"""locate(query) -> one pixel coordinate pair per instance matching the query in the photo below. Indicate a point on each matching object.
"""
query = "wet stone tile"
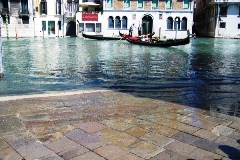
(3, 144)
(203, 154)
(91, 141)
(219, 120)
(177, 125)
(206, 134)
(235, 125)
(209, 146)
(34, 150)
(157, 139)
(235, 134)
(51, 157)
(49, 137)
(114, 137)
(145, 150)
(169, 155)
(164, 130)
(61, 144)
(9, 153)
(118, 125)
(136, 131)
(76, 134)
(180, 147)
(204, 124)
(90, 127)
(223, 140)
(73, 152)
(185, 138)
(222, 130)
(130, 156)
(110, 152)
(187, 119)
(88, 156)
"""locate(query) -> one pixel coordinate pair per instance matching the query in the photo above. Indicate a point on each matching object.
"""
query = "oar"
(119, 40)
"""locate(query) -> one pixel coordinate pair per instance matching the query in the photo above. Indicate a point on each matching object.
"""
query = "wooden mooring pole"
(1, 53)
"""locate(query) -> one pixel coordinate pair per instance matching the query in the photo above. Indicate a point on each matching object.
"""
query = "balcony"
(23, 13)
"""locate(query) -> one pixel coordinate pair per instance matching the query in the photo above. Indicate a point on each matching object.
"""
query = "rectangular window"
(186, 4)
(223, 10)
(168, 4)
(98, 27)
(90, 27)
(24, 5)
(140, 3)
(126, 3)
(81, 27)
(223, 25)
(239, 26)
(43, 7)
(51, 27)
(155, 4)
(58, 6)
(44, 28)
(109, 3)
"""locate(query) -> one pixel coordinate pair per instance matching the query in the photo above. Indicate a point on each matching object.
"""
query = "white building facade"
(161, 17)
(218, 18)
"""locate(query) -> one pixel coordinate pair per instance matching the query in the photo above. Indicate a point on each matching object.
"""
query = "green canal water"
(203, 74)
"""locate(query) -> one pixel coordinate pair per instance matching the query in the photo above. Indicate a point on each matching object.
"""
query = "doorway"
(71, 29)
(147, 24)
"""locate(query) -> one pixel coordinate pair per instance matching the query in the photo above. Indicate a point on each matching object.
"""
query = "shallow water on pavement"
(203, 74)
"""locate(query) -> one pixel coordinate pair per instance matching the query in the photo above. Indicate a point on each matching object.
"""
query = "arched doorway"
(147, 23)
(71, 29)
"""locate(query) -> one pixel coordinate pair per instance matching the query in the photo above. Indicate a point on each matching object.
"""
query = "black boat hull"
(161, 43)
(100, 37)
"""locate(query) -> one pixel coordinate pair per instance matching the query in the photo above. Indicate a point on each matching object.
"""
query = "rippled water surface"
(203, 74)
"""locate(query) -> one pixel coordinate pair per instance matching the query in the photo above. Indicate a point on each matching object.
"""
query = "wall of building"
(232, 20)
(15, 26)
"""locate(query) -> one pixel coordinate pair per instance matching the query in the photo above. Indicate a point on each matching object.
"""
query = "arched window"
(110, 22)
(184, 24)
(177, 23)
(169, 23)
(117, 22)
(124, 22)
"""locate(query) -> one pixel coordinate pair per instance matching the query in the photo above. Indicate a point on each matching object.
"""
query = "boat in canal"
(159, 43)
(100, 37)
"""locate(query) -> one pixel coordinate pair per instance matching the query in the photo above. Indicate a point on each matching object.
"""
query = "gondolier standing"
(139, 30)
(131, 29)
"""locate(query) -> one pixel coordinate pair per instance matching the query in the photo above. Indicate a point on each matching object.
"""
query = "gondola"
(160, 43)
(100, 37)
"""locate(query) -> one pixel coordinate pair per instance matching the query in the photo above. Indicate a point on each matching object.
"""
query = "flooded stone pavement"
(103, 124)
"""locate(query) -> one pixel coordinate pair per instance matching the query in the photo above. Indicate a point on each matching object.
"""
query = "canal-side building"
(163, 17)
(217, 18)
(55, 18)
(18, 18)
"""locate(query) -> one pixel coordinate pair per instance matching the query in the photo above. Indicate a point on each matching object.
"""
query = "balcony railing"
(23, 13)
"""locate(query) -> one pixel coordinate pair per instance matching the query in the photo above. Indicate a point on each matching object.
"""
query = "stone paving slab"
(103, 124)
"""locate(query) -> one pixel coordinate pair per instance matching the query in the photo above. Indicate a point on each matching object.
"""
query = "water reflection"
(203, 74)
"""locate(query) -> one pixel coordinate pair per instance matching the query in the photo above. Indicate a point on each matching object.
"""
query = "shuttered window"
(186, 4)
(140, 3)
(168, 4)
(154, 3)
(109, 3)
(126, 3)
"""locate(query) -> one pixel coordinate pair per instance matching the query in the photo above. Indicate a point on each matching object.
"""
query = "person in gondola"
(139, 30)
(131, 29)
